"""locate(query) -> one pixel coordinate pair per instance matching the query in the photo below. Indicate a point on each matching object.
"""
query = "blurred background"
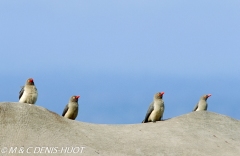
(117, 54)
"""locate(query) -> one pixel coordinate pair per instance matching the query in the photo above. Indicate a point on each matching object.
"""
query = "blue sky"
(117, 54)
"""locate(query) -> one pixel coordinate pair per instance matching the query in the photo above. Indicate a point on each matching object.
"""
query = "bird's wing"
(195, 108)
(21, 92)
(150, 109)
(65, 110)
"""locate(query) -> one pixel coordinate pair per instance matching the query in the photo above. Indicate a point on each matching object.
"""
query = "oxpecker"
(71, 109)
(156, 109)
(28, 93)
(202, 103)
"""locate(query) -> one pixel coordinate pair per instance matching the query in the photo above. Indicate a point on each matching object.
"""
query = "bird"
(156, 109)
(28, 93)
(202, 103)
(71, 109)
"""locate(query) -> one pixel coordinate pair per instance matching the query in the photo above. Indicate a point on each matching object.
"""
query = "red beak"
(77, 97)
(209, 95)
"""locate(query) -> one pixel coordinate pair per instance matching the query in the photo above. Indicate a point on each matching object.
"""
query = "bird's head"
(30, 81)
(205, 97)
(159, 95)
(75, 98)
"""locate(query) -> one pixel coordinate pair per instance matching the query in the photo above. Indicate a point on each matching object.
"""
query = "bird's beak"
(162, 93)
(209, 95)
(77, 97)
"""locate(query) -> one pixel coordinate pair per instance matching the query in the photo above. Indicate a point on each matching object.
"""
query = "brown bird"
(156, 109)
(202, 103)
(28, 93)
(71, 109)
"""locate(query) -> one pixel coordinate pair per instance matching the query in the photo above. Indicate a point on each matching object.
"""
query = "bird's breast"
(202, 105)
(158, 105)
